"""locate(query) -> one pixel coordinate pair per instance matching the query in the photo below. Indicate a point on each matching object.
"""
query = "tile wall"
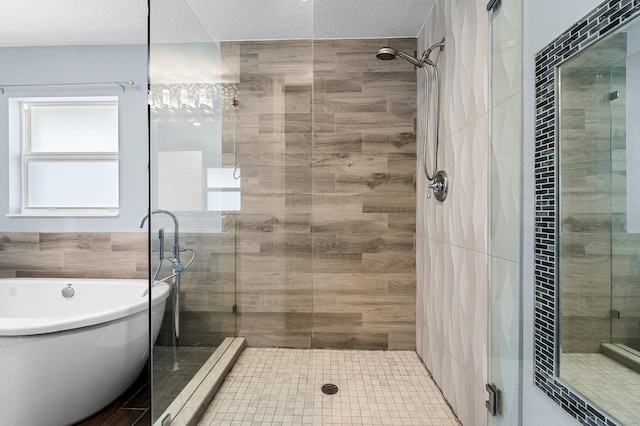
(452, 242)
(207, 289)
(73, 255)
(585, 210)
(325, 137)
(468, 247)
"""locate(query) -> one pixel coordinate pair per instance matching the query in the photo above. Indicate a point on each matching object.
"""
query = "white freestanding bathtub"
(64, 358)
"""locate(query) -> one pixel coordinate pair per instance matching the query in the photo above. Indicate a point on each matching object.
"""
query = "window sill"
(67, 213)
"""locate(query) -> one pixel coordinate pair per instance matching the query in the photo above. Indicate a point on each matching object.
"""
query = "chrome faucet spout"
(176, 229)
(176, 266)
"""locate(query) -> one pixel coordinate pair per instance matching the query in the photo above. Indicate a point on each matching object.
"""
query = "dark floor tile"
(126, 417)
(127, 408)
(141, 400)
(145, 420)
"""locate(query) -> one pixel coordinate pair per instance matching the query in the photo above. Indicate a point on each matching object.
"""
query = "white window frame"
(27, 155)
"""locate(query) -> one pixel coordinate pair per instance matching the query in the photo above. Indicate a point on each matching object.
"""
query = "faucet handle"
(176, 265)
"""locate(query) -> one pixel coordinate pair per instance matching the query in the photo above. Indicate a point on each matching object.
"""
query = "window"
(69, 157)
(225, 182)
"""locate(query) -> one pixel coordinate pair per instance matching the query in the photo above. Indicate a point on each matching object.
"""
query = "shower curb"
(196, 405)
(622, 354)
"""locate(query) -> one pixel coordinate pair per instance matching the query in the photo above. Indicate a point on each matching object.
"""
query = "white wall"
(452, 247)
(46, 65)
(544, 20)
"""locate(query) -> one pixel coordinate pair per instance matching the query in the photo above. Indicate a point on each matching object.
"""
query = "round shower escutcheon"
(439, 186)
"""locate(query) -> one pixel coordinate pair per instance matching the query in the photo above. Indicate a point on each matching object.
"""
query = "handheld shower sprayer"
(161, 244)
(438, 178)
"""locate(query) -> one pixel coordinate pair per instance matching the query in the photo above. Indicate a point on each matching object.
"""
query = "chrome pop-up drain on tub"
(68, 291)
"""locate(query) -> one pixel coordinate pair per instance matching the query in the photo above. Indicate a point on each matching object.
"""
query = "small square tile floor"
(283, 387)
(607, 383)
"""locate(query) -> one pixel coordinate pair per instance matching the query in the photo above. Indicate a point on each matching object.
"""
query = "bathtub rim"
(16, 327)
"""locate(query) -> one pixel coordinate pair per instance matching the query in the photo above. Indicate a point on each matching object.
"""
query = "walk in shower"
(269, 169)
(298, 157)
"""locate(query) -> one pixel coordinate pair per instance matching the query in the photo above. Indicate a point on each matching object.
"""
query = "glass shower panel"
(504, 340)
(625, 202)
(195, 187)
(271, 65)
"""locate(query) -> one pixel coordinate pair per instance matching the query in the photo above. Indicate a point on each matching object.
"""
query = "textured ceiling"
(72, 22)
(287, 19)
(75, 22)
(369, 18)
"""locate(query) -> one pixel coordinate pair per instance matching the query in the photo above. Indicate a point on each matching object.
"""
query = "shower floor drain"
(329, 389)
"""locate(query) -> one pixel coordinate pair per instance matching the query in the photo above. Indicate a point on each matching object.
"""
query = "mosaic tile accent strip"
(283, 386)
(598, 23)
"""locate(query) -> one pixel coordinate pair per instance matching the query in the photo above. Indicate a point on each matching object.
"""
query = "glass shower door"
(505, 164)
(194, 180)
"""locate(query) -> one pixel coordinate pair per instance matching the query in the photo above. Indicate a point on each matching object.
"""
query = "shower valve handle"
(436, 186)
(439, 186)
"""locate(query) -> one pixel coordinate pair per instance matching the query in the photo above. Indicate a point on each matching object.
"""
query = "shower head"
(389, 53)
(386, 53)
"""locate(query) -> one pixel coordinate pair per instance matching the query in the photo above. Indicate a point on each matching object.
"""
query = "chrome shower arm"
(427, 53)
(414, 61)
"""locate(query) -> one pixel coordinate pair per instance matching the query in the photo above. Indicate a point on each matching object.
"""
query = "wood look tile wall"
(325, 137)
(322, 254)
(207, 290)
(585, 281)
(73, 255)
